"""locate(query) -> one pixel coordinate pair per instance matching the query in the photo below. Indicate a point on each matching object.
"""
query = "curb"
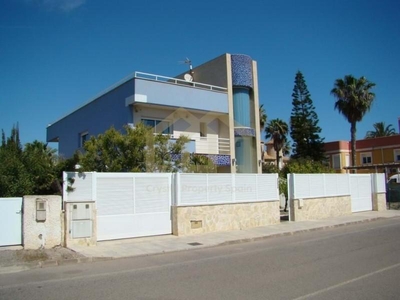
(233, 242)
(72, 261)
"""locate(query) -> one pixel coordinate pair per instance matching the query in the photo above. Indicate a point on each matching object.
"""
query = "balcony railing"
(207, 145)
(177, 81)
(212, 145)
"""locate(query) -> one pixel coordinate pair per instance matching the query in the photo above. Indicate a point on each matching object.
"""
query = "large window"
(397, 155)
(158, 126)
(336, 161)
(366, 158)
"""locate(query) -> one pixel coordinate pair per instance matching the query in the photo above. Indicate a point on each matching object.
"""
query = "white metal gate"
(132, 205)
(361, 192)
(10, 221)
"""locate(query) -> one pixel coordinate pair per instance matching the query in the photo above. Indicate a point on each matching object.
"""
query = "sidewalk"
(169, 243)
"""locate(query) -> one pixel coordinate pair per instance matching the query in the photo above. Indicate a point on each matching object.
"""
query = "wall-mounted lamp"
(233, 161)
(259, 162)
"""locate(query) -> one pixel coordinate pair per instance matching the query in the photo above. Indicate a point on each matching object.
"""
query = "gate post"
(42, 224)
(378, 191)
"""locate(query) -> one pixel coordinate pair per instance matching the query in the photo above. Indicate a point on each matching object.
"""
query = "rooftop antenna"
(189, 76)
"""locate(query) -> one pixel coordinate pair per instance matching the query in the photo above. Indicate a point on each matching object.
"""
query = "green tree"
(304, 129)
(40, 163)
(305, 166)
(263, 117)
(277, 130)
(380, 130)
(113, 151)
(353, 100)
(29, 170)
(138, 150)
(14, 178)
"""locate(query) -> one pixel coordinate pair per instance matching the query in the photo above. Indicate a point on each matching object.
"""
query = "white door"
(133, 205)
(10, 221)
(361, 192)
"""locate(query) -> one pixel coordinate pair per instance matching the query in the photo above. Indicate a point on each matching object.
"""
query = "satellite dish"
(188, 77)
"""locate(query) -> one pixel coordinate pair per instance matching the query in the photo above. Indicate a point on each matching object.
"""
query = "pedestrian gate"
(10, 221)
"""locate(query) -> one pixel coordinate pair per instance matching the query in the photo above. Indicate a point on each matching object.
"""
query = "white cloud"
(63, 5)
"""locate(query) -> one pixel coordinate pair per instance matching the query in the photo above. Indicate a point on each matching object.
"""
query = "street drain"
(195, 244)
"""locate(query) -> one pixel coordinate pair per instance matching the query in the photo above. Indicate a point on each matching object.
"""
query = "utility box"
(41, 210)
(81, 220)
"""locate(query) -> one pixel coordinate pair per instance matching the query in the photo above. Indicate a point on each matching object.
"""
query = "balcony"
(176, 93)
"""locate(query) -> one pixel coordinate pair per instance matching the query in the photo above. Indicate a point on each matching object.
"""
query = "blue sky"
(57, 54)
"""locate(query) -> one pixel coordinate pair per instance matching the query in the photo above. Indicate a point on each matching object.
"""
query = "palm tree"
(354, 100)
(381, 130)
(263, 117)
(277, 130)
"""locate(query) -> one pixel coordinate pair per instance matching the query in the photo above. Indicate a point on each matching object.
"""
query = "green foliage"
(304, 128)
(26, 171)
(139, 150)
(381, 130)
(263, 117)
(200, 164)
(114, 152)
(277, 130)
(305, 166)
(40, 162)
(353, 100)
(269, 168)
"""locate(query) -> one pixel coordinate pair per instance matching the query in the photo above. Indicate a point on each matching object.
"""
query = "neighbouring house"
(215, 105)
(268, 155)
(374, 155)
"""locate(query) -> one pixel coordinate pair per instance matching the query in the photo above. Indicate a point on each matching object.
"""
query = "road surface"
(350, 262)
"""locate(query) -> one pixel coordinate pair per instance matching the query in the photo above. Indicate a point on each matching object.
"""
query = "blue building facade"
(217, 109)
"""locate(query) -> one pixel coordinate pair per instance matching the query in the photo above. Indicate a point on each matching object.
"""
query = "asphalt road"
(350, 262)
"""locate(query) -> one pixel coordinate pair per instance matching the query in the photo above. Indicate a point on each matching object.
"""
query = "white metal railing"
(205, 189)
(308, 186)
(212, 145)
(177, 81)
(208, 145)
(224, 146)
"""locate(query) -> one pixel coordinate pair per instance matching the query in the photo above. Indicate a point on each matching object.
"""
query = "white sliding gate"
(361, 192)
(128, 204)
(10, 221)
(133, 205)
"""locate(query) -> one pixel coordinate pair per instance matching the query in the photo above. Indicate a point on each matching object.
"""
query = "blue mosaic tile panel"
(244, 132)
(242, 70)
(220, 159)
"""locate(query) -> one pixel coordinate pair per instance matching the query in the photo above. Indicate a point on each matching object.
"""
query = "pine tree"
(304, 129)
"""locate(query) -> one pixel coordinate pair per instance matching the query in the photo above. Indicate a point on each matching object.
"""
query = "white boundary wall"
(304, 186)
(378, 182)
(205, 189)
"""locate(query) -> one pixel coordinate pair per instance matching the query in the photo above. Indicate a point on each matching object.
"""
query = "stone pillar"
(378, 191)
(42, 224)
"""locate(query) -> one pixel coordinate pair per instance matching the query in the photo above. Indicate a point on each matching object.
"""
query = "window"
(84, 136)
(336, 161)
(366, 158)
(203, 129)
(397, 155)
(158, 126)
